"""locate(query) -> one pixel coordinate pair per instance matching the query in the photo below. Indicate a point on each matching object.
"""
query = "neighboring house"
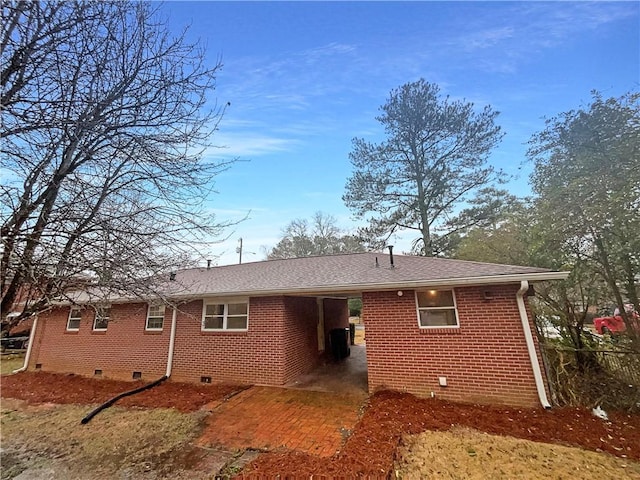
(22, 329)
(456, 329)
(18, 337)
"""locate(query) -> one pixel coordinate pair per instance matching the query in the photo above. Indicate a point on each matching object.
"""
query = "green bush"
(355, 307)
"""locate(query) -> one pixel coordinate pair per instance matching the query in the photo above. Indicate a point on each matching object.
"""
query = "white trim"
(75, 318)
(146, 323)
(533, 356)
(225, 299)
(225, 302)
(454, 308)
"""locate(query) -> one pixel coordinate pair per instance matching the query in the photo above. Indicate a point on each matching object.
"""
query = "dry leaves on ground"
(472, 455)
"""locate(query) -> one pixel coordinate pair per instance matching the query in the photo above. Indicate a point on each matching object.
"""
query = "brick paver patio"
(270, 418)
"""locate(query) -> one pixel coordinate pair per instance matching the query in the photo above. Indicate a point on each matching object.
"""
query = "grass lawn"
(473, 455)
(119, 441)
(9, 362)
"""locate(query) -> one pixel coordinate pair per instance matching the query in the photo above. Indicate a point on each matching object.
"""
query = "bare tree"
(105, 122)
(320, 237)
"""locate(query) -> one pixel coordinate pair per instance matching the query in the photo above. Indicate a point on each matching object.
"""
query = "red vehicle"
(609, 324)
(614, 323)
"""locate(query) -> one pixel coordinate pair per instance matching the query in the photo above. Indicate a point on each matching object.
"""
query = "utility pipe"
(533, 356)
(32, 336)
(172, 341)
(110, 402)
(148, 386)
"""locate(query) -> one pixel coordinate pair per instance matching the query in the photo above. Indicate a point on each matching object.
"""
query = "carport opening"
(342, 348)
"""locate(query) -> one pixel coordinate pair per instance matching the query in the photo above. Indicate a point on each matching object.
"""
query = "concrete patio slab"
(343, 376)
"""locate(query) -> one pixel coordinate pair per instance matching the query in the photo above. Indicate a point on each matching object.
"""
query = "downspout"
(172, 341)
(32, 336)
(108, 403)
(533, 356)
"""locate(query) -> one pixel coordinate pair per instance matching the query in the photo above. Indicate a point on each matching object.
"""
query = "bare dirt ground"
(388, 421)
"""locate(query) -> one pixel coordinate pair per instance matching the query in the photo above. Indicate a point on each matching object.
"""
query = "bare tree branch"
(105, 120)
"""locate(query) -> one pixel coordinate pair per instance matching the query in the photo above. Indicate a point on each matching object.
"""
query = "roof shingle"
(343, 273)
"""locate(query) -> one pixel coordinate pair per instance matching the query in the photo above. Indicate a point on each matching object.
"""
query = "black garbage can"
(340, 343)
(352, 333)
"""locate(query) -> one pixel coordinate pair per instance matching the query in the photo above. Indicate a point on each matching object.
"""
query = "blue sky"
(304, 78)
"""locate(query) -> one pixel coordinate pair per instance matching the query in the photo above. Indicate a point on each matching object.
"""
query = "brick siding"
(336, 315)
(299, 337)
(280, 344)
(123, 348)
(485, 360)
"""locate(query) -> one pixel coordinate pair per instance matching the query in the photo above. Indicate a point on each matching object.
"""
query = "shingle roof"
(345, 273)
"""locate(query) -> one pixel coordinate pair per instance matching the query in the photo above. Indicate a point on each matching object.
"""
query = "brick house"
(460, 330)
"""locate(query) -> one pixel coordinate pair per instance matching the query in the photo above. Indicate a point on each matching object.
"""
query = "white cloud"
(507, 35)
(330, 53)
(488, 38)
(249, 144)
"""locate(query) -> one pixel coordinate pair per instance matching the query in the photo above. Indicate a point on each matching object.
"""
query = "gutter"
(172, 341)
(533, 356)
(27, 356)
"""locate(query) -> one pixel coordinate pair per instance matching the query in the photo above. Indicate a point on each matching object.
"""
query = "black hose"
(108, 403)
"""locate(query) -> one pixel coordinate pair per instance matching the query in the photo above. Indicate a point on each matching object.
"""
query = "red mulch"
(35, 387)
(370, 449)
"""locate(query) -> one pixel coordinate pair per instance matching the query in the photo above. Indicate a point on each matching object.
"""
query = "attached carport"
(335, 372)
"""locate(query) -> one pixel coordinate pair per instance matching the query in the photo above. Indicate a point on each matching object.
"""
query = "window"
(75, 315)
(437, 308)
(102, 318)
(155, 317)
(225, 316)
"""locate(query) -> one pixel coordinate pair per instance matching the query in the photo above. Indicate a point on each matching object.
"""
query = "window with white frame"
(102, 318)
(75, 316)
(155, 317)
(232, 315)
(437, 308)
